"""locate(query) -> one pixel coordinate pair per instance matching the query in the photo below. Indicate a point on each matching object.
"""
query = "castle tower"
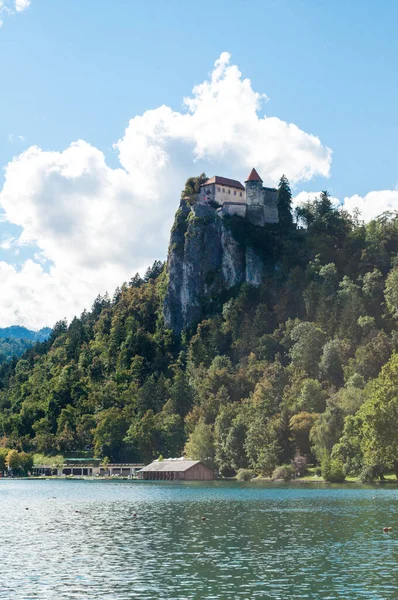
(254, 189)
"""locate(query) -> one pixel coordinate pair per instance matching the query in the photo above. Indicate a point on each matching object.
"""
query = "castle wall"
(254, 192)
(255, 215)
(233, 208)
(270, 199)
(224, 193)
(221, 194)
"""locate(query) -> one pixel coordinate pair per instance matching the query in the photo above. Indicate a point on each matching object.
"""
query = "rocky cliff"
(204, 260)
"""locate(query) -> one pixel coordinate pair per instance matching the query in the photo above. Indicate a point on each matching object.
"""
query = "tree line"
(303, 368)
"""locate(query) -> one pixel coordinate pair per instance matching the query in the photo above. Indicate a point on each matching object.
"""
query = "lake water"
(257, 541)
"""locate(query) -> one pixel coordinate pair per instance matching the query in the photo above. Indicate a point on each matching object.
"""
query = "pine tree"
(285, 203)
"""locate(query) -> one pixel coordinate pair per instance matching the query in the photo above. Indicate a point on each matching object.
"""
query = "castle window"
(223, 191)
(229, 191)
(240, 194)
(218, 189)
(234, 192)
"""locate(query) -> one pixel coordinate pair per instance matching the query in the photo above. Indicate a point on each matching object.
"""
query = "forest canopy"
(304, 365)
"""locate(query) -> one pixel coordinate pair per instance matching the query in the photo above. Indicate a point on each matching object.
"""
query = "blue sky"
(80, 70)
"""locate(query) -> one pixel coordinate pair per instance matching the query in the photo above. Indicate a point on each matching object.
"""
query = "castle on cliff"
(253, 201)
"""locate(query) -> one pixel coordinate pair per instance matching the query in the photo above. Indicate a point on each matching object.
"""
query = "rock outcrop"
(204, 260)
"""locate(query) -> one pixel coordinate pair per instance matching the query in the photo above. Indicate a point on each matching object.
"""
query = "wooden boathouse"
(176, 470)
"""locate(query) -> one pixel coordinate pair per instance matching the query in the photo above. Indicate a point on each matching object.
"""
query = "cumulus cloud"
(93, 226)
(372, 204)
(21, 5)
(368, 207)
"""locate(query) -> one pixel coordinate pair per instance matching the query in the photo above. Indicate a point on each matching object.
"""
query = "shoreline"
(259, 480)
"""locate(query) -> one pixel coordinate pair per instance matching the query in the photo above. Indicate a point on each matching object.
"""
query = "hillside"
(301, 363)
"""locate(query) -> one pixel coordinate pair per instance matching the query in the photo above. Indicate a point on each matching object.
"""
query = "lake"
(258, 541)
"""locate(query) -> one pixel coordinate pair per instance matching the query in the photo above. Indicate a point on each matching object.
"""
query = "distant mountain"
(22, 333)
(15, 340)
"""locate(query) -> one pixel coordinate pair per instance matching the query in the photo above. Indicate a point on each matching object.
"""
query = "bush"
(244, 475)
(285, 472)
(333, 470)
(370, 473)
(300, 465)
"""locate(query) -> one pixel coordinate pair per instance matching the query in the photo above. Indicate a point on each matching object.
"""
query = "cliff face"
(204, 260)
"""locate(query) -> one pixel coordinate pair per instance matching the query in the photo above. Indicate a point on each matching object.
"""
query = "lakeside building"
(88, 468)
(176, 469)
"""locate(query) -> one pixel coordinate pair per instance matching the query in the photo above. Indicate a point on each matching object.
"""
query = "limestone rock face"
(204, 260)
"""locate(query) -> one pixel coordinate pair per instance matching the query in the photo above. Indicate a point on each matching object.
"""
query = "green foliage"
(192, 187)
(285, 203)
(391, 292)
(379, 414)
(3, 458)
(244, 475)
(285, 472)
(200, 444)
(333, 470)
(303, 364)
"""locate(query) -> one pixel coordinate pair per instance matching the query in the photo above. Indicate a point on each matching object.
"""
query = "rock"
(204, 260)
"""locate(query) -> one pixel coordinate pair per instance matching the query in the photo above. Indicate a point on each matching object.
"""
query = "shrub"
(285, 472)
(244, 475)
(370, 473)
(300, 465)
(333, 470)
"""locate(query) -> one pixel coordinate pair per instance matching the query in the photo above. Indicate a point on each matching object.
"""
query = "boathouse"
(177, 469)
(88, 468)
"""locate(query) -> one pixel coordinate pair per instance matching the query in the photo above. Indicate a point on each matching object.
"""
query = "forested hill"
(22, 333)
(303, 364)
(15, 340)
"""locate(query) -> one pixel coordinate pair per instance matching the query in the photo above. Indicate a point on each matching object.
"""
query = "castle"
(256, 203)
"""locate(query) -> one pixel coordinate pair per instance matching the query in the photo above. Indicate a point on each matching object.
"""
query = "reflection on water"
(79, 539)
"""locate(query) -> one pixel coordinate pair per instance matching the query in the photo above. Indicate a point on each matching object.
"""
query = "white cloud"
(369, 206)
(94, 226)
(373, 204)
(21, 5)
(7, 243)
(303, 197)
(15, 138)
(8, 8)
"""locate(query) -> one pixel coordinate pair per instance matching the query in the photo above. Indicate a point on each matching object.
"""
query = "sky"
(106, 109)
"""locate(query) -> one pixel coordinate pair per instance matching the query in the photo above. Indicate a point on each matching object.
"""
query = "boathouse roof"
(171, 465)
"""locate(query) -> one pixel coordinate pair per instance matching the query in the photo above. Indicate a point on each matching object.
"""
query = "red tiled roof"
(224, 181)
(254, 176)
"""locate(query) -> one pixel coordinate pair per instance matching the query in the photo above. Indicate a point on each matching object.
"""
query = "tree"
(109, 433)
(3, 458)
(284, 203)
(300, 427)
(331, 364)
(13, 460)
(348, 449)
(307, 348)
(326, 432)
(312, 398)
(26, 462)
(379, 415)
(200, 444)
(391, 292)
(143, 436)
(192, 187)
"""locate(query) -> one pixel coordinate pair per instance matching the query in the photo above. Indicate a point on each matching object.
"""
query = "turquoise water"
(257, 541)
